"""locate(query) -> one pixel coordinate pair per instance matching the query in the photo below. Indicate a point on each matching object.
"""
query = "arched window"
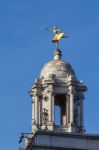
(60, 110)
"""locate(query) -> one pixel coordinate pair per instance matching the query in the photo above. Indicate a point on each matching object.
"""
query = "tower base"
(62, 141)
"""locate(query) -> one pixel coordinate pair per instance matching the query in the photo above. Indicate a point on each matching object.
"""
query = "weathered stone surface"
(57, 86)
(56, 140)
(59, 68)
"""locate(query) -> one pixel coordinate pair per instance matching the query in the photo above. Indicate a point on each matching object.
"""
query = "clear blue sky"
(24, 48)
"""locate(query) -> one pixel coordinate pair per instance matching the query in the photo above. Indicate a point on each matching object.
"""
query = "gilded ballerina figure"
(58, 34)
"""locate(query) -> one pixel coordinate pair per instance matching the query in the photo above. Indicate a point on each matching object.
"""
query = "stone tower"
(57, 108)
(58, 87)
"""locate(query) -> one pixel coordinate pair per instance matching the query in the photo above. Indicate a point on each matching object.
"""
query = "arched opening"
(60, 110)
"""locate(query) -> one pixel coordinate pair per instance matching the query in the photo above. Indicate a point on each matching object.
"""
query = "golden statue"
(58, 34)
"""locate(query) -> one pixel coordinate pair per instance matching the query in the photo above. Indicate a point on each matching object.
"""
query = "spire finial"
(58, 34)
(57, 54)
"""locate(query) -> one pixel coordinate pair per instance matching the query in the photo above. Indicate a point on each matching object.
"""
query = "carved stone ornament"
(34, 125)
(45, 116)
(46, 98)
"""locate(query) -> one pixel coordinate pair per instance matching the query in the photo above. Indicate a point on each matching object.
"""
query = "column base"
(50, 125)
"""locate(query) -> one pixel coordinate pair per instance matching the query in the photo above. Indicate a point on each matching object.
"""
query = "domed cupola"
(57, 67)
(57, 86)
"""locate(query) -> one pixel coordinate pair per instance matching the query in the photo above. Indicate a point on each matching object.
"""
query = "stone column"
(78, 109)
(68, 109)
(33, 109)
(50, 106)
(40, 110)
(81, 113)
(65, 117)
(71, 107)
(34, 113)
(36, 109)
(53, 108)
(50, 111)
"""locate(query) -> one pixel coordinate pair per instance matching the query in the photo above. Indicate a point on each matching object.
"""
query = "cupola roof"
(57, 67)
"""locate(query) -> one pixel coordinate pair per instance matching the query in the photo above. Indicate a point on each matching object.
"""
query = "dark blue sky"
(25, 46)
